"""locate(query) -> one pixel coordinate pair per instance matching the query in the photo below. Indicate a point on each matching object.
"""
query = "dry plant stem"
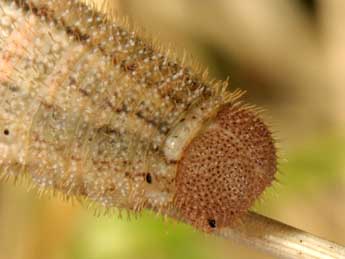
(281, 240)
(276, 238)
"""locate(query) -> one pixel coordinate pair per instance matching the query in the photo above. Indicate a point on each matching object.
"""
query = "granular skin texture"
(225, 169)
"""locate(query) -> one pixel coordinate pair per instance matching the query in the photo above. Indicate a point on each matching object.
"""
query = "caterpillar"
(91, 108)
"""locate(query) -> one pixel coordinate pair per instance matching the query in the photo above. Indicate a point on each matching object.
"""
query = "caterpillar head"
(224, 169)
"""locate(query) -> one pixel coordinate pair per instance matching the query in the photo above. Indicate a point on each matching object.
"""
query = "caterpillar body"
(91, 109)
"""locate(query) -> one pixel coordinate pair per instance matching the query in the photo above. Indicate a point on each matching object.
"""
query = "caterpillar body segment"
(91, 109)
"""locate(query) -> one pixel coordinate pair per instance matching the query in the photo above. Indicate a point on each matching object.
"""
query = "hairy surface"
(92, 110)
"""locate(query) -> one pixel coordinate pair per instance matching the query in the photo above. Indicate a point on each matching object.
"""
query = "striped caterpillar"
(92, 109)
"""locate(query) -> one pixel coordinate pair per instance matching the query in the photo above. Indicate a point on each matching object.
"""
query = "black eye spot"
(148, 178)
(6, 132)
(212, 223)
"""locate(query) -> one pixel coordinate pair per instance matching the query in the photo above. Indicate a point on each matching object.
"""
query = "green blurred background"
(290, 57)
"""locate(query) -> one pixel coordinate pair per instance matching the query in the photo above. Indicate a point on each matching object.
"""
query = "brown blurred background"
(290, 58)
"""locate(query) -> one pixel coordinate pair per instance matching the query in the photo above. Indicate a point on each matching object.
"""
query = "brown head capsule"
(225, 168)
(91, 109)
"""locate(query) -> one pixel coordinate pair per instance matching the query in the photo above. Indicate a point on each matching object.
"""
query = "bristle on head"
(225, 169)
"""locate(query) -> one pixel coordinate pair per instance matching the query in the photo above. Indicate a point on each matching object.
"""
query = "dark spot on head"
(148, 178)
(114, 60)
(6, 132)
(212, 223)
(111, 188)
(131, 67)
